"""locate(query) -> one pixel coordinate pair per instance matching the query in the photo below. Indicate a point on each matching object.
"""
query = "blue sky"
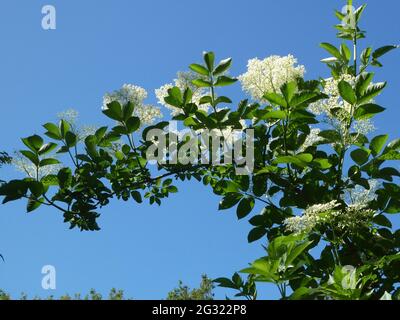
(97, 47)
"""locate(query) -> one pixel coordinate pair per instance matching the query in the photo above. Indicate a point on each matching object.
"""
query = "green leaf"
(33, 204)
(91, 144)
(64, 127)
(206, 100)
(174, 97)
(34, 142)
(187, 96)
(277, 114)
(372, 92)
(137, 196)
(133, 124)
(36, 188)
(48, 162)
(301, 160)
(382, 51)
(366, 55)
(64, 177)
(256, 234)
(305, 97)
(391, 155)
(71, 139)
(50, 180)
(360, 156)
(244, 208)
(33, 157)
(223, 66)
(114, 111)
(393, 207)
(378, 143)
(209, 59)
(46, 148)
(202, 83)
(224, 81)
(199, 69)
(222, 99)
(345, 52)
(347, 93)
(52, 131)
(363, 82)
(225, 283)
(275, 99)
(288, 90)
(332, 50)
(127, 110)
(229, 201)
(100, 133)
(322, 164)
(382, 221)
(367, 111)
(172, 189)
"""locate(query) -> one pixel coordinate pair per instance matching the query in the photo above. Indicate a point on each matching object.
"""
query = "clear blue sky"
(97, 47)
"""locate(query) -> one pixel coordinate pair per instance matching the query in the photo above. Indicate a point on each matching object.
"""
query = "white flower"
(334, 100)
(352, 217)
(86, 131)
(310, 218)
(183, 81)
(361, 197)
(25, 166)
(136, 95)
(147, 113)
(268, 75)
(338, 113)
(69, 116)
(312, 139)
(128, 93)
(364, 126)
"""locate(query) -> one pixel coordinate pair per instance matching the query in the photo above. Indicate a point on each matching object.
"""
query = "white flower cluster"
(268, 75)
(183, 81)
(337, 112)
(86, 131)
(29, 169)
(312, 139)
(136, 95)
(311, 217)
(334, 100)
(352, 217)
(362, 197)
(69, 116)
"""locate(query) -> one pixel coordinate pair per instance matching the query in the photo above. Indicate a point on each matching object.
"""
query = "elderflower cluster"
(183, 81)
(334, 100)
(86, 131)
(312, 139)
(29, 169)
(354, 216)
(268, 75)
(136, 95)
(360, 196)
(337, 112)
(311, 217)
(69, 116)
